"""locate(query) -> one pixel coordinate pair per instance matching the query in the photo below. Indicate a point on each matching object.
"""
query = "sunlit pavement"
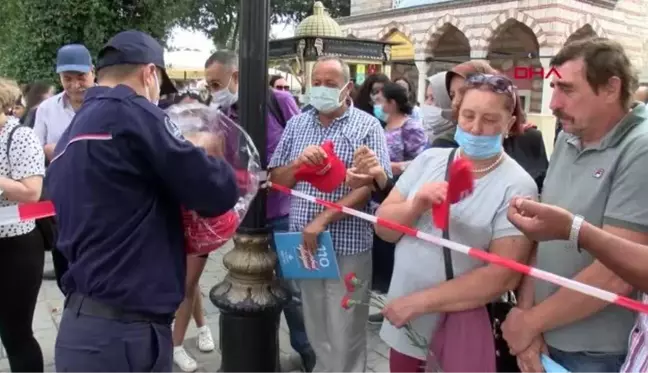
(50, 304)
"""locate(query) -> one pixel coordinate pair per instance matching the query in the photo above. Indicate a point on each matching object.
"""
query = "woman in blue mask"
(526, 146)
(405, 136)
(366, 96)
(422, 289)
(406, 139)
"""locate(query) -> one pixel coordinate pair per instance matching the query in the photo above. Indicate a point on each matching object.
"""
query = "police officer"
(120, 175)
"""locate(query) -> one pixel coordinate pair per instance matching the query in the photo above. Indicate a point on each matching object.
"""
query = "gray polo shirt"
(607, 184)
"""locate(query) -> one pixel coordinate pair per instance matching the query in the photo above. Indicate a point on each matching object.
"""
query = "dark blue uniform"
(120, 174)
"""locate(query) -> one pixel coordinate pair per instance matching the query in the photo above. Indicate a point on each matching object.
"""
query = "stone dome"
(318, 24)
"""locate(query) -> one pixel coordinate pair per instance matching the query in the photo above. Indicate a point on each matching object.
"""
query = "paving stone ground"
(50, 304)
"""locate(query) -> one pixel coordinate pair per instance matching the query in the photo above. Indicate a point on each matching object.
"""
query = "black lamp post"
(249, 298)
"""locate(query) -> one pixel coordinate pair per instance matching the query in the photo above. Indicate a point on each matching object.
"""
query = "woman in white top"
(22, 167)
(419, 292)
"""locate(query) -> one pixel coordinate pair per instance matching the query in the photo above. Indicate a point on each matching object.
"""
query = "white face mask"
(224, 98)
(433, 119)
(157, 86)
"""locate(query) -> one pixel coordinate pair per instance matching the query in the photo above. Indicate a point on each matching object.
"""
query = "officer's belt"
(90, 307)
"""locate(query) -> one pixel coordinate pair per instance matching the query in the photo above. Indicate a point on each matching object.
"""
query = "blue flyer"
(297, 263)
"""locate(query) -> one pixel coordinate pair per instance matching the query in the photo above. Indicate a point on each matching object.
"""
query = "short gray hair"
(227, 58)
(346, 70)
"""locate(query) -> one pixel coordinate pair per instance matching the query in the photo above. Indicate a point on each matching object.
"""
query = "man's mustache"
(560, 115)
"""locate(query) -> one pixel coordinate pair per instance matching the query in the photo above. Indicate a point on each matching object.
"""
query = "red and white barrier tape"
(30, 211)
(26, 211)
(476, 253)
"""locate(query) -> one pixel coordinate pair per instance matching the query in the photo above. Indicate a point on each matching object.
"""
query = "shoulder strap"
(9, 141)
(447, 257)
(275, 109)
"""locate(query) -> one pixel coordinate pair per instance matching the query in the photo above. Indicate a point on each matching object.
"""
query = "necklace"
(493, 165)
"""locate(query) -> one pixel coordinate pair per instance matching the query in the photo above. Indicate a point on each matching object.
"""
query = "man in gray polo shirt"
(53, 116)
(598, 170)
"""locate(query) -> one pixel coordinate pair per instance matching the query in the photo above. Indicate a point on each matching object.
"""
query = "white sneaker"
(182, 359)
(205, 339)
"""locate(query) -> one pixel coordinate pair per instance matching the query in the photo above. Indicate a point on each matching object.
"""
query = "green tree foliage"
(38, 28)
(219, 18)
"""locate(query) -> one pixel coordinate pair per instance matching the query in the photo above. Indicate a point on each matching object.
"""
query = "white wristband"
(574, 232)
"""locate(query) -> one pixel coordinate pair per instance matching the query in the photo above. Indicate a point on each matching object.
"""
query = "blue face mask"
(325, 99)
(380, 113)
(478, 147)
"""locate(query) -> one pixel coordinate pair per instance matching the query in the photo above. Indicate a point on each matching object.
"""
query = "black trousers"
(21, 273)
(383, 264)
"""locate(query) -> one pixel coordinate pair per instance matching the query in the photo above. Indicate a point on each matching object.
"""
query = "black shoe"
(49, 275)
(376, 318)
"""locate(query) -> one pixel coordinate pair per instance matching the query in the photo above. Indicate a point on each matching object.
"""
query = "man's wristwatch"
(577, 222)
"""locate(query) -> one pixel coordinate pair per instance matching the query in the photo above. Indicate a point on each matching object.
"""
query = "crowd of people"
(131, 292)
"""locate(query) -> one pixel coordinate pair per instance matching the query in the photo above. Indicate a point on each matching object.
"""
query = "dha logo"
(533, 72)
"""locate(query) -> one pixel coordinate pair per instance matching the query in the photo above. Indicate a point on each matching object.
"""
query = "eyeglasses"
(282, 87)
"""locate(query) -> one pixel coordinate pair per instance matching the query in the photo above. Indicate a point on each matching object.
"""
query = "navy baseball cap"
(136, 48)
(73, 57)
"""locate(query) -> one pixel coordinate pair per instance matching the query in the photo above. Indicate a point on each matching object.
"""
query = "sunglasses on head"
(497, 83)
(282, 87)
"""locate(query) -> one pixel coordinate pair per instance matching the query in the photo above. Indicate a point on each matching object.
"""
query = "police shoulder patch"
(172, 128)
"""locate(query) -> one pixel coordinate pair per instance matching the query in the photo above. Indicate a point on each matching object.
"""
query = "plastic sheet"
(221, 137)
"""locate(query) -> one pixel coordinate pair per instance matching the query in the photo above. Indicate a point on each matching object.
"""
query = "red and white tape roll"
(476, 253)
(15, 214)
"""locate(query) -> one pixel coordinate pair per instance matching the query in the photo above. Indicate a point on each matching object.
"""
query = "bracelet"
(574, 232)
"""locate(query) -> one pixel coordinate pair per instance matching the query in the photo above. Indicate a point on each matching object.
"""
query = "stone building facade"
(436, 34)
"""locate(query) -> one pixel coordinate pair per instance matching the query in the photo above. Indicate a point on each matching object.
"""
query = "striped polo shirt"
(637, 359)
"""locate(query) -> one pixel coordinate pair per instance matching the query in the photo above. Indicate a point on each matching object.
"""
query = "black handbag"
(497, 311)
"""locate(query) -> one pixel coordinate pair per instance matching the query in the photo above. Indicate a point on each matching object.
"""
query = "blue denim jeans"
(293, 310)
(585, 361)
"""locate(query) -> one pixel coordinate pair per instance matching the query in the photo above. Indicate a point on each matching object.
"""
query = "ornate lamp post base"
(250, 300)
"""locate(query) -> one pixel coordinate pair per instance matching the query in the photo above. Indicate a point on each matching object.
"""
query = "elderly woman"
(526, 146)
(454, 79)
(22, 166)
(419, 292)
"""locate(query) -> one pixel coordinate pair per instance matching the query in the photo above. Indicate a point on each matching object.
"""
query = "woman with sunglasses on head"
(525, 146)
(419, 291)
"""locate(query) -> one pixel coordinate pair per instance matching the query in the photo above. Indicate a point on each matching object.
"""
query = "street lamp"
(249, 298)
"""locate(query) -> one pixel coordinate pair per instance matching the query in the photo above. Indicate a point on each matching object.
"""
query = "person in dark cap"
(119, 177)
